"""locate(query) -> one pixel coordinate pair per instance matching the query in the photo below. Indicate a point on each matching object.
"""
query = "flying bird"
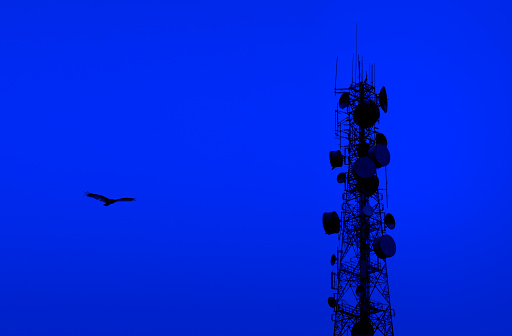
(108, 201)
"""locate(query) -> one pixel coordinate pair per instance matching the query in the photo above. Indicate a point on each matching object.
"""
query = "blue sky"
(218, 118)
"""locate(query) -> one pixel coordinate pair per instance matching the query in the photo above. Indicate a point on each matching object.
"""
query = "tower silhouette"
(361, 302)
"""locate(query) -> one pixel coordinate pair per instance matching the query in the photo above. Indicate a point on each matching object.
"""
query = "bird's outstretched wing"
(125, 199)
(96, 196)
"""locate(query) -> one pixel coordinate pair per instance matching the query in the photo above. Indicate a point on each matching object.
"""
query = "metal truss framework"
(357, 266)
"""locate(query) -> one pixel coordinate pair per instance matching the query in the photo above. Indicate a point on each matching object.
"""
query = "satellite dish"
(344, 100)
(366, 114)
(383, 99)
(384, 247)
(362, 149)
(336, 159)
(367, 210)
(369, 186)
(359, 290)
(364, 168)
(363, 327)
(332, 302)
(342, 177)
(389, 220)
(333, 259)
(380, 139)
(380, 155)
(331, 222)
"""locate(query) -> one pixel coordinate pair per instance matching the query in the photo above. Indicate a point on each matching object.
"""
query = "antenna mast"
(361, 302)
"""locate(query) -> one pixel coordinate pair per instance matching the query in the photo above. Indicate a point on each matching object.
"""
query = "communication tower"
(361, 301)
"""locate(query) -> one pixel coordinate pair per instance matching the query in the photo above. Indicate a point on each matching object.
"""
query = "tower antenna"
(361, 301)
(356, 42)
(336, 75)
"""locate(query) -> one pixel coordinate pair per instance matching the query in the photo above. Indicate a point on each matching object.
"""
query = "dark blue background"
(218, 117)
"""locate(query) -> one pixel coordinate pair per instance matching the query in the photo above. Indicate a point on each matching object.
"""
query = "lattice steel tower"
(361, 300)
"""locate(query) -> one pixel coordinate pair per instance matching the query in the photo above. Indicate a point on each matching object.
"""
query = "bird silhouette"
(108, 201)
